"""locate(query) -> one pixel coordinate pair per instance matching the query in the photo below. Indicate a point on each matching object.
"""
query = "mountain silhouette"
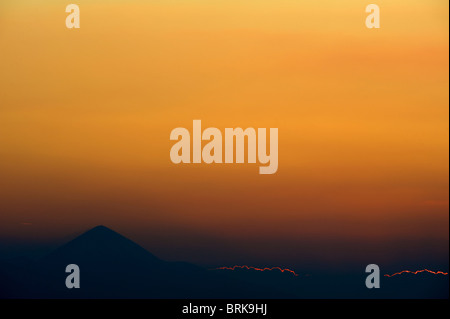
(112, 266)
(102, 246)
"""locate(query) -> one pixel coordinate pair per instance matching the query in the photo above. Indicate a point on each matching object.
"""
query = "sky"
(362, 114)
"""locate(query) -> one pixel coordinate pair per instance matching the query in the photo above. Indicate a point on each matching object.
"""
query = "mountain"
(112, 266)
(101, 249)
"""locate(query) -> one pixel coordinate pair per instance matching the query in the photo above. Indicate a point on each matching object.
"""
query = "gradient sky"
(85, 119)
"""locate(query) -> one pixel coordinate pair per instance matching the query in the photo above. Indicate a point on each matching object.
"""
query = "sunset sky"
(362, 114)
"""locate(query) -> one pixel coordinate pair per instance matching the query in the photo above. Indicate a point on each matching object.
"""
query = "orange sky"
(85, 118)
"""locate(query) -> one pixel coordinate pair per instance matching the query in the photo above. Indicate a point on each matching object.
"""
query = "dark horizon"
(100, 252)
(176, 249)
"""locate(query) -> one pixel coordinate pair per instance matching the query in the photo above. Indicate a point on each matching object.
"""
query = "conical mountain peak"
(102, 243)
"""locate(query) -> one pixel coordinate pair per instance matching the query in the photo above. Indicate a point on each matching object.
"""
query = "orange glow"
(86, 116)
